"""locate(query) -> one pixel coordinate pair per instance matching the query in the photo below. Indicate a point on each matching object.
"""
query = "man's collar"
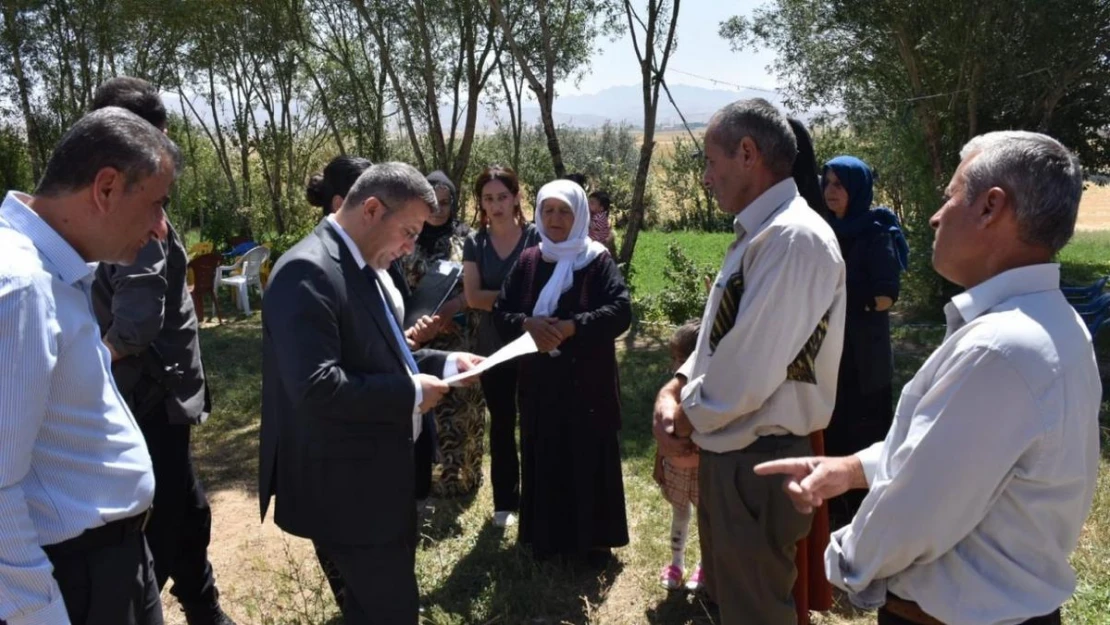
(357, 255)
(70, 267)
(980, 298)
(763, 207)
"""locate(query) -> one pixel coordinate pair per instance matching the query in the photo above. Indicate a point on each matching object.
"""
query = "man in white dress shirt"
(763, 374)
(979, 492)
(75, 476)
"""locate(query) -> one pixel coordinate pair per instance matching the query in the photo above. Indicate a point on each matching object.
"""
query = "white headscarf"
(571, 255)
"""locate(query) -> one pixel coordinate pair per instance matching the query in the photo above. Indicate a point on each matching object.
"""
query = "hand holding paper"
(521, 346)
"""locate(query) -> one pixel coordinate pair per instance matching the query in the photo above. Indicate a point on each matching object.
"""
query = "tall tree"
(14, 41)
(550, 40)
(916, 80)
(653, 41)
(958, 68)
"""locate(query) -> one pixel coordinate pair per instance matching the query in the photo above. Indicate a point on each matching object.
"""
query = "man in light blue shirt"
(75, 475)
(979, 493)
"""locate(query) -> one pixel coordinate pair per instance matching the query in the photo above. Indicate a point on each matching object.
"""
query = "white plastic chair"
(250, 267)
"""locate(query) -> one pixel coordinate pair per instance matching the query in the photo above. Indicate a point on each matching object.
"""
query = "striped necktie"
(730, 296)
(726, 311)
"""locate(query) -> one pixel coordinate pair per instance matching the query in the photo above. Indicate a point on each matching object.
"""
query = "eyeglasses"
(410, 233)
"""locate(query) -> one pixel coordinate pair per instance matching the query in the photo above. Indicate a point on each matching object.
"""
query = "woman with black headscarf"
(459, 418)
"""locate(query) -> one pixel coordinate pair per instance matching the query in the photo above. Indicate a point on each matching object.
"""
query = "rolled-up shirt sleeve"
(138, 301)
(956, 452)
(869, 458)
(28, 353)
(788, 287)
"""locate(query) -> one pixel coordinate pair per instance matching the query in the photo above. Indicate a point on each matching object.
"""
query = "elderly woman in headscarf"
(570, 296)
(459, 420)
(863, 411)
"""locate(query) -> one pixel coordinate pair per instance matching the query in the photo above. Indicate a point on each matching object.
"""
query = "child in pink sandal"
(677, 476)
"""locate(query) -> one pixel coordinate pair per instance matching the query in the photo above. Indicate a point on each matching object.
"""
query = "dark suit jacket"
(337, 401)
(146, 314)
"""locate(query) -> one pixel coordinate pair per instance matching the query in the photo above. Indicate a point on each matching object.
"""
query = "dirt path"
(1094, 209)
(246, 556)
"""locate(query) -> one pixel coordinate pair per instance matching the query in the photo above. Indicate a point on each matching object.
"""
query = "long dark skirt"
(859, 420)
(572, 493)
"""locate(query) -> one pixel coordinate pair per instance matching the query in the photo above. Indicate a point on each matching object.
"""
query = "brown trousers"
(749, 532)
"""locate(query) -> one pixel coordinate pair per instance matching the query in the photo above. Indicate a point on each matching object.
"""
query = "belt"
(908, 610)
(774, 442)
(911, 612)
(112, 533)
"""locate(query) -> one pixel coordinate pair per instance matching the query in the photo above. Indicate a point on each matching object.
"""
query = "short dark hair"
(134, 94)
(393, 184)
(602, 198)
(108, 137)
(685, 339)
(337, 179)
(577, 178)
(759, 120)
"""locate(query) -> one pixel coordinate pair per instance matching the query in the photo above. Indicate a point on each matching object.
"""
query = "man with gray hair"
(979, 492)
(763, 375)
(342, 395)
(76, 481)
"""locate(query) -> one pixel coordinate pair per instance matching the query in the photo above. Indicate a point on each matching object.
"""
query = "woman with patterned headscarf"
(569, 295)
(460, 418)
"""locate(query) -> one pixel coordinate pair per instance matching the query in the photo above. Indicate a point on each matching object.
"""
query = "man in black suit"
(342, 395)
(148, 323)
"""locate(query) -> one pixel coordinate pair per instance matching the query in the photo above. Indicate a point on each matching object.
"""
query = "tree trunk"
(651, 77)
(545, 95)
(552, 137)
(15, 42)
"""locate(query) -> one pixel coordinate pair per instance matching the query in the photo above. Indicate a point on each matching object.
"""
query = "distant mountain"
(617, 105)
(624, 104)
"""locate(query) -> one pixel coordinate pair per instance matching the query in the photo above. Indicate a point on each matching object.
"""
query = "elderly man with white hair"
(979, 492)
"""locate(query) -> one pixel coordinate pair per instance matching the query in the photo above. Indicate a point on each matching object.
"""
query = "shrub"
(684, 296)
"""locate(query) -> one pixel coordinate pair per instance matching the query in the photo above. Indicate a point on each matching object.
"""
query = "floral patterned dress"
(460, 417)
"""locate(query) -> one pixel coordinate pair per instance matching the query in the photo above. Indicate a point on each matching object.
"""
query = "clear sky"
(700, 51)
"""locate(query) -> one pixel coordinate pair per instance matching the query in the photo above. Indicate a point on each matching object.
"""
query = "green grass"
(651, 255)
(472, 572)
(1086, 258)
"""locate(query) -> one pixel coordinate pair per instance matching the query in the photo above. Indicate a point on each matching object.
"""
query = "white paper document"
(521, 346)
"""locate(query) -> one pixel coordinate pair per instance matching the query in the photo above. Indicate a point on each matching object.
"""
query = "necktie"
(391, 315)
(726, 311)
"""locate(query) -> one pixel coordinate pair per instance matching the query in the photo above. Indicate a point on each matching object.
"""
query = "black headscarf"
(431, 235)
(805, 169)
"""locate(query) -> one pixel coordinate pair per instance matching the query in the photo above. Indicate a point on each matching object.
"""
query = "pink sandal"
(697, 580)
(671, 577)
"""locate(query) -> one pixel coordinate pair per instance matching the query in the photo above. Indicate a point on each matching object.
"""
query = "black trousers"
(499, 388)
(379, 581)
(886, 618)
(181, 524)
(423, 455)
(112, 584)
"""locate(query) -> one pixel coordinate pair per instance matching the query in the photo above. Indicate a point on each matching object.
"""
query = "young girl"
(600, 229)
(677, 476)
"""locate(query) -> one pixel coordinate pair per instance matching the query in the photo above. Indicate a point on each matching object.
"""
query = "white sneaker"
(504, 518)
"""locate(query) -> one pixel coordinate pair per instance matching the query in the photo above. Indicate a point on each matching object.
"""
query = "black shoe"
(206, 615)
(599, 559)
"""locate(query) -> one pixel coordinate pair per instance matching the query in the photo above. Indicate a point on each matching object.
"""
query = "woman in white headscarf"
(570, 296)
